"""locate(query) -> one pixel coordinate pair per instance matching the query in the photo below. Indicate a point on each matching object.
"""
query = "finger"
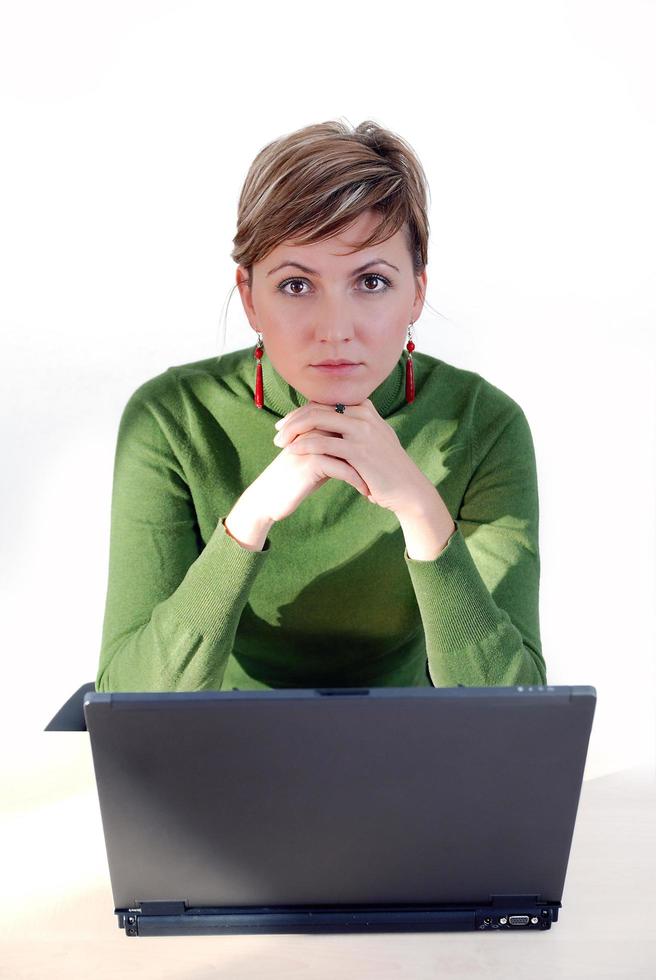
(287, 439)
(307, 423)
(320, 415)
(341, 470)
(313, 442)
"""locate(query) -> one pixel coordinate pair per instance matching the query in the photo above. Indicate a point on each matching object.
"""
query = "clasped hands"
(368, 443)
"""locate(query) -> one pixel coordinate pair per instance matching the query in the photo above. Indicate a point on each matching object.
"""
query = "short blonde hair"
(312, 183)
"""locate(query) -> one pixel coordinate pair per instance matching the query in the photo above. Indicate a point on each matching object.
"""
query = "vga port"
(518, 920)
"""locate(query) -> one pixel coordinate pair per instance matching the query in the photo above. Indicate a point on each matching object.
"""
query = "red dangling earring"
(409, 370)
(259, 387)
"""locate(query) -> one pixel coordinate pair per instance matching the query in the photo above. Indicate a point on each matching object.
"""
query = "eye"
(292, 282)
(375, 275)
(303, 282)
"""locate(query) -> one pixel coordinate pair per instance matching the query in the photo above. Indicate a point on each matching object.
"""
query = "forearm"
(427, 528)
(469, 638)
(181, 641)
(246, 526)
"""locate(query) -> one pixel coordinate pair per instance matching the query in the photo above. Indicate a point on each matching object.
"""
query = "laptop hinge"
(503, 901)
(128, 919)
(160, 908)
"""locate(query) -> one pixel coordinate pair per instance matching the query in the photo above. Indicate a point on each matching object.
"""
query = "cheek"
(279, 327)
(389, 330)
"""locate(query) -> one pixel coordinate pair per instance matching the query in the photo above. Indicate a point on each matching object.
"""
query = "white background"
(127, 130)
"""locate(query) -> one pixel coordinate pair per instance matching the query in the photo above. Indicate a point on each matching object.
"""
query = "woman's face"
(342, 307)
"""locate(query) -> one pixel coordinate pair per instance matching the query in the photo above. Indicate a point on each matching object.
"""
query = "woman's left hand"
(368, 443)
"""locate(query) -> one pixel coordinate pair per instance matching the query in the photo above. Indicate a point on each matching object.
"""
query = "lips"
(333, 363)
(343, 370)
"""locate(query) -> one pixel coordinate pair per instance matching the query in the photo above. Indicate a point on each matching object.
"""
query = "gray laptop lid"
(322, 797)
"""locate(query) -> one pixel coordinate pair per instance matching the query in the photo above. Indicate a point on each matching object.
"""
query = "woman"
(279, 523)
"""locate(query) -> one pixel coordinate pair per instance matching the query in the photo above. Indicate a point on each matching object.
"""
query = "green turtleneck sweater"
(332, 599)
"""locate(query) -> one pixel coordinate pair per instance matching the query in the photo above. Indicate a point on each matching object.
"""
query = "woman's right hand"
(291, 477)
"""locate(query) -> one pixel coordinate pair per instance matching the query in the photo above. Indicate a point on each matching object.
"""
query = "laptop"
(339, 809)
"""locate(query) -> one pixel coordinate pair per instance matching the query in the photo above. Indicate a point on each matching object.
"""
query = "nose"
(333, 323)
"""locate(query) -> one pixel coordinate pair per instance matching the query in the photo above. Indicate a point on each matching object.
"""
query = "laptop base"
(175, 919)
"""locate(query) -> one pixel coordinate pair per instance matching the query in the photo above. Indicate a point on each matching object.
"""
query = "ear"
(420, 294)
(245, 292)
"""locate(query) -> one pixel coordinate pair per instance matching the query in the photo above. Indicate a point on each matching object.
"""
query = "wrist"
(427, 528)
(426, 504)
(246, 524)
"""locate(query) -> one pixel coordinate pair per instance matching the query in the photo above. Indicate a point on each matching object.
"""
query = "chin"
(330, 391)
(346, 398)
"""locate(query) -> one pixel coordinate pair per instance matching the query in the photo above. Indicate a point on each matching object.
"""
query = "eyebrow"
(313, 272)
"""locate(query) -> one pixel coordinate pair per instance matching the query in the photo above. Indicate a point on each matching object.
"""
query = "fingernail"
(278, 423)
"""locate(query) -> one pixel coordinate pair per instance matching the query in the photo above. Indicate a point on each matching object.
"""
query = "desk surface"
(58, 913)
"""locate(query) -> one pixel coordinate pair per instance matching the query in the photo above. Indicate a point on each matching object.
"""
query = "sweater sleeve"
(172, 606)
(478, 599)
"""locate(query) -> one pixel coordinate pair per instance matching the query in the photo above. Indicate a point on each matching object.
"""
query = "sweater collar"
(280, 397)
